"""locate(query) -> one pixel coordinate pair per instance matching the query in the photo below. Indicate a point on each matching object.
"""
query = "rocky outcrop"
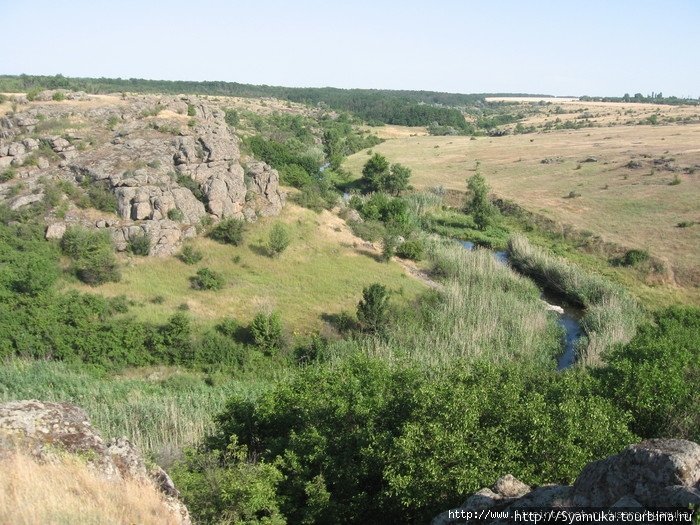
(652, 474)
(49, 430)
(167, 171)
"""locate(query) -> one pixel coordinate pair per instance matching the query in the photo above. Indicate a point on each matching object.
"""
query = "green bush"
(279, 239)
(190, 184)
(634, 257)
(266, 330)
(190, 254)
(228, 231)
(176, 215)
(411, 249)
(8, 174)
(368, 230)
(294, 175)
(373, 308)
(58, 96)
(207, 279)
(655, 376)
(139, 244)
(92, 255)
(102, 199)
(191, 111)
(232, 118)
(389, 244)
(360, 439)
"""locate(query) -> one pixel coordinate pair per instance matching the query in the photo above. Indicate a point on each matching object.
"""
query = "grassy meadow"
(548, 174)
(322, 272)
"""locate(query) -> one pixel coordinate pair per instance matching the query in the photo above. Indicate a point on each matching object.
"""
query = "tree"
(267, 331)
(478, 203)
(380, 176)
(279, 239)
(373, 308)
(375, 169)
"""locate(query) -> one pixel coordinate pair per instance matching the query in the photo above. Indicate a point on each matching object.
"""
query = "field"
(632, 185)
(322, 272)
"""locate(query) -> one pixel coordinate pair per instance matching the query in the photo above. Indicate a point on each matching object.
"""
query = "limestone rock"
(642, 471)
(510, 487)
(56, 230)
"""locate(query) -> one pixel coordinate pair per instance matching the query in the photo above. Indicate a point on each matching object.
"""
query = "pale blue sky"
(563, 48)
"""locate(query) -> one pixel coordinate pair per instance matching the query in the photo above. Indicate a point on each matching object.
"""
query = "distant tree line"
(654, 98)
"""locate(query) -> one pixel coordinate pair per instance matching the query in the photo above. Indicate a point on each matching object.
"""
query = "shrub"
(294, 175)
(191, 111)
(412, 249)
(635, 257)
(373, 308)
(389, 247)
(279, 239)
(207, 279)
(92, 255)
(368, 230)
(189, 183)
(266, 330)
(176, 215)
(228, 231)
(102, 199)
(190, 255)
(676, 180)
(232, 118)
(139, 244)
(58, 96)
(8, 174)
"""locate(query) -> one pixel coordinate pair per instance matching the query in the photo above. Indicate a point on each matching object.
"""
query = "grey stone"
(56, 230)
(510, 487)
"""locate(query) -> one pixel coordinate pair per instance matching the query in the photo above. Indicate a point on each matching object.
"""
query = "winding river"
(568, 317)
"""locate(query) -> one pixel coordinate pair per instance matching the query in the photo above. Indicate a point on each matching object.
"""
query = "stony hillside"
(170, 162)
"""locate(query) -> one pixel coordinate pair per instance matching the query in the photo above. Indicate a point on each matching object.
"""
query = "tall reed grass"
(160, 416)
(612, 314)
(484, 311)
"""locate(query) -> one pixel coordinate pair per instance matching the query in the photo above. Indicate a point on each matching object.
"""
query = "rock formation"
(167, 170)
(652, 474)
(47, 430)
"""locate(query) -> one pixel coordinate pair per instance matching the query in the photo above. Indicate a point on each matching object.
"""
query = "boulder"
(55, 230)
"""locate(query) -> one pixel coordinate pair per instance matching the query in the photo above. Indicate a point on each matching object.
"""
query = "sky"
(560, 47)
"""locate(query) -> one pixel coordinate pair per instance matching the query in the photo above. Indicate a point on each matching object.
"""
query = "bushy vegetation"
(190, 254)
(207, 279)
(139, 244)
(92, 255)
(279, 239)
(266, 330)
(228, 231)
(379, 176)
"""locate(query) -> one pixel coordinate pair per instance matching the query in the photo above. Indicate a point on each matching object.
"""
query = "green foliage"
(189, 183)
(373, 308)
(392, 211)
(634, 257)
(102, 199)
(190, 255)
(229, 486)
(92, 255)
(413, 249)
(176, 215)
(8, 174)
(478, 203)
(228, 231)
(232, 118)
(318, 195)
(58, 96)
(294, 175)
(139, 244)
(267, 332)
(655, 376)
(279, 239)
(360, 439)
(389, 244)
(368, 230)
(379, 176)
(279, 154)
(191, 111)
(207, 279)
(33, 93)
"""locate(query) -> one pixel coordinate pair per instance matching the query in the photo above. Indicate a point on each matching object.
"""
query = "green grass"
(159, 410)
(317, 274)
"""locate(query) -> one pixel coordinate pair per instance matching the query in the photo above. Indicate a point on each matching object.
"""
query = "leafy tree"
(279, 239)
(266, 330)
(374, 171)
(92, 254)
(373, 308)
(478, 203)
(397, 181)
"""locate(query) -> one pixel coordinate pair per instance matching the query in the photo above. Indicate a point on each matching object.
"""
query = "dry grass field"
(632, 185)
